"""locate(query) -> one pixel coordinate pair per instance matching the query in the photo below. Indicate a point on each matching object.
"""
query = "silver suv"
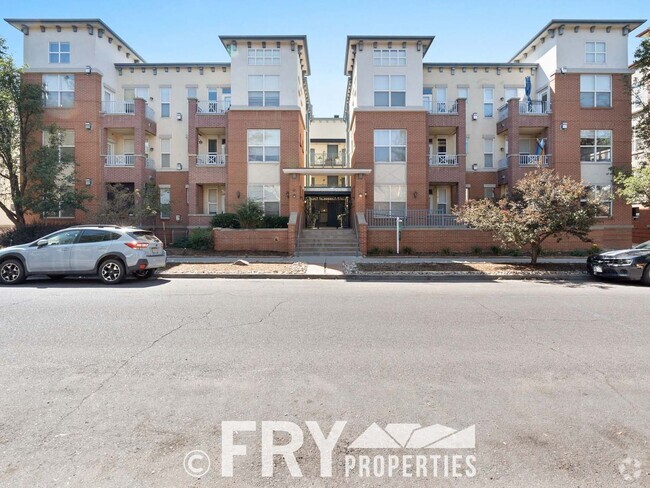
(111, 252)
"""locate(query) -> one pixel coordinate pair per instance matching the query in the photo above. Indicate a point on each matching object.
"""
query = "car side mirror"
(42, 243)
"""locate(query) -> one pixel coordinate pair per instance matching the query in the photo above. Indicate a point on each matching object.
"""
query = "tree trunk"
(534, 253)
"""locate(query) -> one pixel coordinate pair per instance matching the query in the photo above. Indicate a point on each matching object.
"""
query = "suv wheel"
(12, 272)
(111, 272)
(645, 279)
(144, 274)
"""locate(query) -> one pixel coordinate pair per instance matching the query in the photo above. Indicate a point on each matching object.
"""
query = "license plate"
(154, 250)
(598, 269)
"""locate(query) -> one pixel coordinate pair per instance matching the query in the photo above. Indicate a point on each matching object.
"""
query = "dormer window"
(595, 52)
(60, 52)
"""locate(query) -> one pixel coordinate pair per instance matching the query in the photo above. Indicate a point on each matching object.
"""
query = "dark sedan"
(629, 264)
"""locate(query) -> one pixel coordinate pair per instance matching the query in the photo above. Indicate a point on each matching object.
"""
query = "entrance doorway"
(327, 211)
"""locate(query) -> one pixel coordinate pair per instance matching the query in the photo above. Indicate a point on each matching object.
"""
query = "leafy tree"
(543, 205)
(126, 206)
(39, 180)
(634, 186)
(642, 65)
(250, 214)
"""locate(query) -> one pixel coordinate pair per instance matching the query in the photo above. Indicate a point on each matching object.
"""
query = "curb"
(370, 277)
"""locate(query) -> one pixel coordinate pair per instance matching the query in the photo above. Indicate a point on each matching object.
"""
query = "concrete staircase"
(328, 242)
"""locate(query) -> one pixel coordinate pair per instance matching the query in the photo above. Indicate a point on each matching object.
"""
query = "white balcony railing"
(534, 107)
(443, 159)
(118, 107)
(503, 113)
(207, 107)
(448, 107)
(533, 160)
(120, 160)
(211, 159)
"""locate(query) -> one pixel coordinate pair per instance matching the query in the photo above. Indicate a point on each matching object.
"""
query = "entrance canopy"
(326, 171)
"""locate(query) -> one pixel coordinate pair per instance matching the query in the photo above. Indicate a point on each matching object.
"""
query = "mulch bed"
(471, 267)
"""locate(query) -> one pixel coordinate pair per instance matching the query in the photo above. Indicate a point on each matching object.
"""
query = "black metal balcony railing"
(328, 159)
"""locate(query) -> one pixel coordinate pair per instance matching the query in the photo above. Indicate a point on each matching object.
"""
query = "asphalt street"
(114, 386)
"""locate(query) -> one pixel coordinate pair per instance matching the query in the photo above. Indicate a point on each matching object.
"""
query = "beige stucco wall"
(327, 128)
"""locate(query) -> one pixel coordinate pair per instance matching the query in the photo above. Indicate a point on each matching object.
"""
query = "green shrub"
(200, 239)
(183, 242)
(374, 251)
(578, 252)
(275, 222)
(250, 214)
(496, 250)
(407, 250)
(594, 249)
(28, 233)
(515, 252)
(226, 221)
(446, 251)
(477, 250)
(389, 250)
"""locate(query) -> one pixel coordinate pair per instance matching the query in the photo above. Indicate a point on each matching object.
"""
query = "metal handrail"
(207, 107)
(411, 218)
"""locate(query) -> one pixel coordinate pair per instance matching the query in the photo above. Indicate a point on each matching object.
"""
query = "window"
(390, 146)
(165, 106)
(488, 191)
(595, 91)
(595, 52)
(130, 94)
(65, 144)
(463, 92)
(596, 146)
(165, 202)
(488, 152)
(390, 91)
(59, 52)
(59, 91)
(90, 236)
(165, 152)
(225, 94)
(390, 199)
(488, 102)
(263, 91)
(389, 57)
(268, 196)
(263, 145)
(512, 92)
(192, 92)
(63, 238)
(602, 193)
(264, 56)
(212, 200)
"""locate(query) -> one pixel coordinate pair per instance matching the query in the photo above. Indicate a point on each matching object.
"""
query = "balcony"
(120, 160)
(443, 159)
(325, 159)
(533, 107)
(449, 107)
(534, 160)
(211, 159)
(411, 218)
(207, 107)
(118, 107)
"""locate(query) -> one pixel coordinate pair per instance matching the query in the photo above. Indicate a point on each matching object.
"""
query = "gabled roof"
(300, 39)
(426, 43)
(555, 23)
(18, 23)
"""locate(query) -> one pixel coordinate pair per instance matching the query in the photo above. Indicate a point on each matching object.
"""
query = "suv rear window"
(144, 235)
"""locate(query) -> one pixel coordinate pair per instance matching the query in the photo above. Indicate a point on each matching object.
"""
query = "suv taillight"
(137, 245)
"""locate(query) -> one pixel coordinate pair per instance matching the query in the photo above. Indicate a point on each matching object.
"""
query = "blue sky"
(188, 30)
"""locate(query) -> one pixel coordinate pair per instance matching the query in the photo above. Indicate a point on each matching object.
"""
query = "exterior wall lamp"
(88, 125)
(474, 116)
(179, 166)
(179, 116)
(475, 167)
(564, 125)
(88, 70)
(89, 182)
(238, 194)
(415, 194)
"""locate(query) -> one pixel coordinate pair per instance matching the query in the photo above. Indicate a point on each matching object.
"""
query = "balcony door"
(212, 100)
(439, 199)
(332, 153)
(441, 99)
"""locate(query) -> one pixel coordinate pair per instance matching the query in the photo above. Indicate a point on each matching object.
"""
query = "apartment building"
(415, 139)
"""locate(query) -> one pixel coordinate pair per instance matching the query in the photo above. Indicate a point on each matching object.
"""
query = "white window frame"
(464, 88)
(165, 201)
(266, 191)
(389, 91)
(389, 57)
(263, 56)
(488, 100)
(595, 90)
(487, 140)
(397, 195)
(165, 92)
(192, 91)
(266, 159)
(594, 55)
(390, 146)
(63, 134)
(165, 151)
(492, 187)
(216, 203)
(265, 98)
(60, 89)
(56, 48)
(596, 147)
